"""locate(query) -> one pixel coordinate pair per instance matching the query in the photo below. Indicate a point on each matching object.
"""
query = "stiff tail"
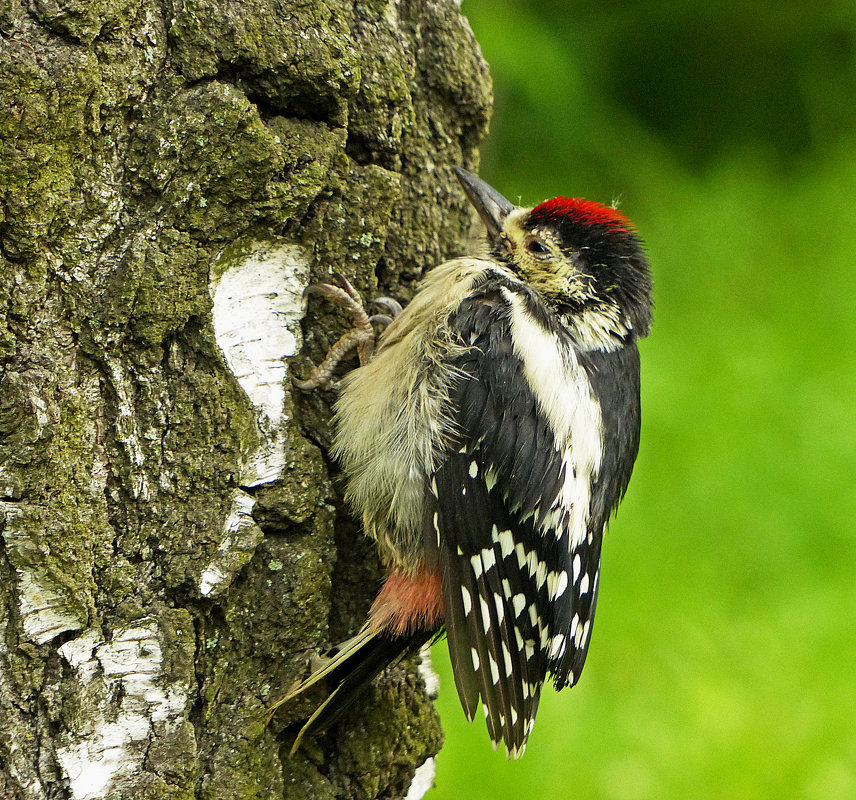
(349, 669)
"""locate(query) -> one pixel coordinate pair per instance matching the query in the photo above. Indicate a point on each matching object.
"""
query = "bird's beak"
(493, 208)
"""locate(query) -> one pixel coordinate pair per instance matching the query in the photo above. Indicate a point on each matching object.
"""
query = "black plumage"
(495, 494)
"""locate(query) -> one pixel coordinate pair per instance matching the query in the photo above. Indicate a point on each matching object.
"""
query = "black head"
(585, 258)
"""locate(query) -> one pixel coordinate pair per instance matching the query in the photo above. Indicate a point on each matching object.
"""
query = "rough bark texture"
(172, 540)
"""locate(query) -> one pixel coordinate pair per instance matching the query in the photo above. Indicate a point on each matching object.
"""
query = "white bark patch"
(126, 430)
(258, 305)
(123, 680)
(8, 483)
(423, 780)
(241, 535)
(46, 611)
(426, 672)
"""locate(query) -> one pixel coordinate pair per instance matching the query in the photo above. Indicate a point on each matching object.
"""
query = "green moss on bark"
(301, 59)
(82, 20)
(142, 144)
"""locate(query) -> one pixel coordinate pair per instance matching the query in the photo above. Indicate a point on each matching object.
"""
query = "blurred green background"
(723, 663)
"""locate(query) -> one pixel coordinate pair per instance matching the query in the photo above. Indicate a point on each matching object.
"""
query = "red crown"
(586, 211)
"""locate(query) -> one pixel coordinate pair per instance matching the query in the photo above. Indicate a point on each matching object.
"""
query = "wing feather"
(519, 592)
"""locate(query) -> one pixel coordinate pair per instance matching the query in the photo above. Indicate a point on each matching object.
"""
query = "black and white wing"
(509, 520)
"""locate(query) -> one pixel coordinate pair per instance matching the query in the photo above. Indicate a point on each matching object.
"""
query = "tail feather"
(349, 671)
(336, 657)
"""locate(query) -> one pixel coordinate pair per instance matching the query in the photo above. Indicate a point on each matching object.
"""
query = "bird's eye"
(537, 248)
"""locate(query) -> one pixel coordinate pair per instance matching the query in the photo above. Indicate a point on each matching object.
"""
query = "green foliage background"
(724, 659)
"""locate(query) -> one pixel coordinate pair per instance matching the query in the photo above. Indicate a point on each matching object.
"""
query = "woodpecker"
(486, 442)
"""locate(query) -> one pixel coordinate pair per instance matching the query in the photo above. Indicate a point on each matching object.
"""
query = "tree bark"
(173, 543)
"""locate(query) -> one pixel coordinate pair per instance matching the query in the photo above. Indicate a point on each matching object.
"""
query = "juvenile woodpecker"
(485, 443)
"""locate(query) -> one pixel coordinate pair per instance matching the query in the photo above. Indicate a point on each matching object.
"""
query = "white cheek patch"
(599, 328)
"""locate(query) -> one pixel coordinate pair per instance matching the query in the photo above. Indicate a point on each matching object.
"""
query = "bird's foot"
(361, 337)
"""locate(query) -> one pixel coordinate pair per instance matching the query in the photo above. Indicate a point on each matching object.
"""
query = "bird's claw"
(361, 336)
(393, 307)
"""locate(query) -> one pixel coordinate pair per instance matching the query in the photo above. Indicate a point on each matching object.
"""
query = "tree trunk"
(172, 539)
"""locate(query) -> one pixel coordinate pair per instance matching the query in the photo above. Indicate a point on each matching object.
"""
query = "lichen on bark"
(158, 589)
